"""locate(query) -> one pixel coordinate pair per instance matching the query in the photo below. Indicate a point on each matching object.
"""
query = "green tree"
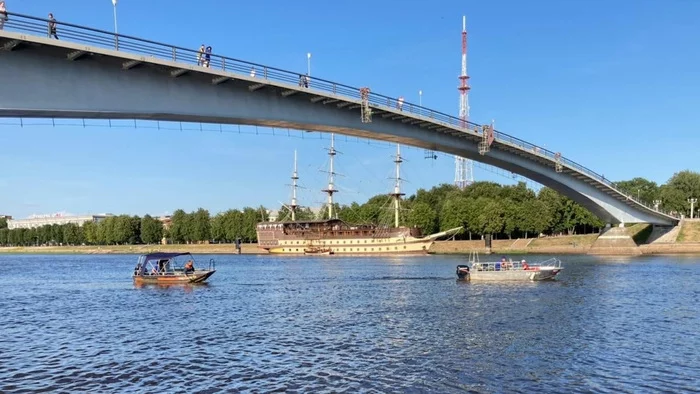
(647, 191)
(490, 190)
(378, 210)
(234, 225)
(250, 219)
(555, 205)
(517, 193)
(457, 212)
(682, 186)
(4, 233)
(201, 226)
(92, 234)
(179, 228)
(424, 217)
(72, 234)
(151, 230)
(534, 216)
(56, 234)
(435, 197)
(302, 213)
(492, 219)
(512, 216)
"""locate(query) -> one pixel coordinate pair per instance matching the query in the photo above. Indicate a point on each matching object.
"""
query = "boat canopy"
(160, 256)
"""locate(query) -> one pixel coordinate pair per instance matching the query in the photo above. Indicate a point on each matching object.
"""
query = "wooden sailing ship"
(337, 237)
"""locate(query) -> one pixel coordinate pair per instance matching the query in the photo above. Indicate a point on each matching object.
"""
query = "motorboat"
(316, 251)
(170, 268)
(509, 270)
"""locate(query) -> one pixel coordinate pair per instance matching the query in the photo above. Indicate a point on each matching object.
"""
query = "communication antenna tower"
(464, 168)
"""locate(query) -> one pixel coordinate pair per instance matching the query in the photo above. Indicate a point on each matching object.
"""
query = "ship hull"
(355, 247)
(339, 238)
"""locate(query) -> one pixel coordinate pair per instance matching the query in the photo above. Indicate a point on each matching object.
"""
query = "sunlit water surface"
(77, 323)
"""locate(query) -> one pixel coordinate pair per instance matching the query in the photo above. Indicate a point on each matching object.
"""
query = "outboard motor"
(463, 272)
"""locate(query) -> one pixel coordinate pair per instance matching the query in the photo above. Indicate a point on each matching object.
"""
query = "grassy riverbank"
(690, 232)
(574, 244)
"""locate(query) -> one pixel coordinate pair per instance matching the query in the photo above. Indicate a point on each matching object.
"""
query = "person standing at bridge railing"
(3, 15)
(200, 56)
(52, 26)
(207, 56)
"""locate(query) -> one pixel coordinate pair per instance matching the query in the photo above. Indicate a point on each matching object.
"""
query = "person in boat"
(505, 264)
(524, 264)
(162, 265)
(189, 266)
(501, 264)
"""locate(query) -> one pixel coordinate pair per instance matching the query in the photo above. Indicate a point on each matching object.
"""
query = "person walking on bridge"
(52, 26)
(3, 15)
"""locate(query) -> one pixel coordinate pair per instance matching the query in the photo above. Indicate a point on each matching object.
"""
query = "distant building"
(166, 220)
(8, 217)
(35, 221)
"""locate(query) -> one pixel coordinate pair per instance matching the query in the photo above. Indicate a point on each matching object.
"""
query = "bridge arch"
(153, 81)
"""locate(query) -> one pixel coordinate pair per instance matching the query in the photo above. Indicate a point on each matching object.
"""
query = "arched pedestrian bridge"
(94, 74)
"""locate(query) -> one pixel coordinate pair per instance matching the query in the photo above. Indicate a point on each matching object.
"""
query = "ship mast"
(331, 177)
(293, 206)
(397, 185)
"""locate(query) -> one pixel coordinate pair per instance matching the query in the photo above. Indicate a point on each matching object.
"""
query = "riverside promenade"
(687, 241)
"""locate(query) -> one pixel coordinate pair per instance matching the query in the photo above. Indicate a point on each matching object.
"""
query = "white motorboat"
(509, 270)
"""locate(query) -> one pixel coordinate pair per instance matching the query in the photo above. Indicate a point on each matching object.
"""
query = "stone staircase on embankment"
(615, 241)
(521, 243)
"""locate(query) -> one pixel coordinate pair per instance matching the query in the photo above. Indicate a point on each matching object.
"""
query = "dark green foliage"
(151, 230)
(482, 208)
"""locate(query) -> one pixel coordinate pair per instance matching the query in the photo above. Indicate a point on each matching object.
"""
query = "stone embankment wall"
(688, 242)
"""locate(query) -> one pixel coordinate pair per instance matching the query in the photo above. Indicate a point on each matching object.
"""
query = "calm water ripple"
(615, 325)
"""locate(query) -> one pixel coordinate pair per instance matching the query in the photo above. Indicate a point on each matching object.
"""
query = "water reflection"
(185, 287)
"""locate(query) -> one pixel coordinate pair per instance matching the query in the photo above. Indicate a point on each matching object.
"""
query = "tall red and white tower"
(464, 168)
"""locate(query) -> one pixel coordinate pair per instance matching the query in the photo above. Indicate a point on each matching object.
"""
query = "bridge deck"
(131, 52)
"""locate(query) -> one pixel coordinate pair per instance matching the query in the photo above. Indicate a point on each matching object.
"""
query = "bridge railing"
(135, 45)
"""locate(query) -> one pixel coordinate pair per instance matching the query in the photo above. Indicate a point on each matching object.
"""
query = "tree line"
(673, 196)
(481, 208)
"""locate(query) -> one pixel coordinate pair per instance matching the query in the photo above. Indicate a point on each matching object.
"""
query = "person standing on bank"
(52, 26)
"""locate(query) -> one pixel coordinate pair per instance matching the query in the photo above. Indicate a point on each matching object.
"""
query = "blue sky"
(612, 85)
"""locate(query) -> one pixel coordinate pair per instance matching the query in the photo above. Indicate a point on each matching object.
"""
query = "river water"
(262, 324)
